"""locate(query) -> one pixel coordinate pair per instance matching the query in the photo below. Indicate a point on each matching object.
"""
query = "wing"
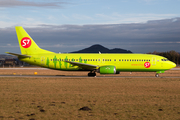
(18, 55)
(83, 65)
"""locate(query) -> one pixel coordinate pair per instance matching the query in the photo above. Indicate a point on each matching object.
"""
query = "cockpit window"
(164, 60)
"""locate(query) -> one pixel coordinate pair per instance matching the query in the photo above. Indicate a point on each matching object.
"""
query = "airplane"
(95, 63)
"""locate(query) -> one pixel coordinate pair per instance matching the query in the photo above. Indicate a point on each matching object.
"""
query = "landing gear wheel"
(91, 74)
(157, 75)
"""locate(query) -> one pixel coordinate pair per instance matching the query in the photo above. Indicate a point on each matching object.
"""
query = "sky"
(64, 26)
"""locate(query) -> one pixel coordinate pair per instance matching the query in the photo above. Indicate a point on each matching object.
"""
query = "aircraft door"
(153, 61)
(43, 60)
(99, 61)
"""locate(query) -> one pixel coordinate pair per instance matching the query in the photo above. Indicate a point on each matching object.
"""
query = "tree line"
(170, 55)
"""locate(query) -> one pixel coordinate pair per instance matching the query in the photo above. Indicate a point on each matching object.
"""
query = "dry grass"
(111, 99)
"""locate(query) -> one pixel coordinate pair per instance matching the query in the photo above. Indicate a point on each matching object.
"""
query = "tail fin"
(27, 44)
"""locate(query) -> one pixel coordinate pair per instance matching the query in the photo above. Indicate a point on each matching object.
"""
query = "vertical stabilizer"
(27, 44)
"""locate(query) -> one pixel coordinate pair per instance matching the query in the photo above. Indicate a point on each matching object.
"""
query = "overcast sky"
(65, 26)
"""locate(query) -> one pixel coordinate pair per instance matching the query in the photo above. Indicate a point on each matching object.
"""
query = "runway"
(76, 76)
(21, 68)
(64, 76)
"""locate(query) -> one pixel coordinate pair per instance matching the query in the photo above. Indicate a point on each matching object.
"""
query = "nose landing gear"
(157, 75)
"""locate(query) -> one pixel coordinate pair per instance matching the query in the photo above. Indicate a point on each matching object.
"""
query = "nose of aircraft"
(173, 64)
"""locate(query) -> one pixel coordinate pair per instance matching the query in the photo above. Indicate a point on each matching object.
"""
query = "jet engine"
(107, 70)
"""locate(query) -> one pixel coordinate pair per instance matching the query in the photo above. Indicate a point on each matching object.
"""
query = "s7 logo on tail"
(26, 42)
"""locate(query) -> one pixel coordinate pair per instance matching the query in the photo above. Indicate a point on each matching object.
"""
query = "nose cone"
(173, 65)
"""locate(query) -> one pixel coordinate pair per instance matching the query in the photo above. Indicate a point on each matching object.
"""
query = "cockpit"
(165, 59)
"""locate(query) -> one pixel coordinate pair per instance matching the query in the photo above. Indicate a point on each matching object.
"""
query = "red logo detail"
(147, 64)
(26, 42)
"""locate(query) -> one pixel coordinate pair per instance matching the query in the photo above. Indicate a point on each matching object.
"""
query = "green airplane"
(101, 63)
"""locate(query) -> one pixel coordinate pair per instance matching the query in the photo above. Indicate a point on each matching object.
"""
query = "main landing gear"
(92, 74)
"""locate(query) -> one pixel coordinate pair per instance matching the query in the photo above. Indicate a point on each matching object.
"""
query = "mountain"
(96, 48)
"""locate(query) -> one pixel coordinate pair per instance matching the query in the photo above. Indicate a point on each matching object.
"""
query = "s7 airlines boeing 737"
(101, 63)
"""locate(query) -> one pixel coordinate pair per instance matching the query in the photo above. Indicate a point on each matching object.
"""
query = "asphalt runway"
(47, 68)
(64, 76)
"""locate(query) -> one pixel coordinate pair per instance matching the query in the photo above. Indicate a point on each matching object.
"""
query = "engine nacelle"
(107, 70)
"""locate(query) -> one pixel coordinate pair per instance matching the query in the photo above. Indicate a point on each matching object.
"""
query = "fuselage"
(122, 62)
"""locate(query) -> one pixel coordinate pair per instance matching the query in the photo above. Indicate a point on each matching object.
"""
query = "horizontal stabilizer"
(19, 55)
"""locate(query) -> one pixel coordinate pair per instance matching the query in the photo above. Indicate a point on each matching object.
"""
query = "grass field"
(108, 98)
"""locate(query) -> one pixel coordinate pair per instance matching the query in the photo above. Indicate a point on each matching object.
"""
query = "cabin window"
(119, 59)
(127, 59)
(99, 60)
